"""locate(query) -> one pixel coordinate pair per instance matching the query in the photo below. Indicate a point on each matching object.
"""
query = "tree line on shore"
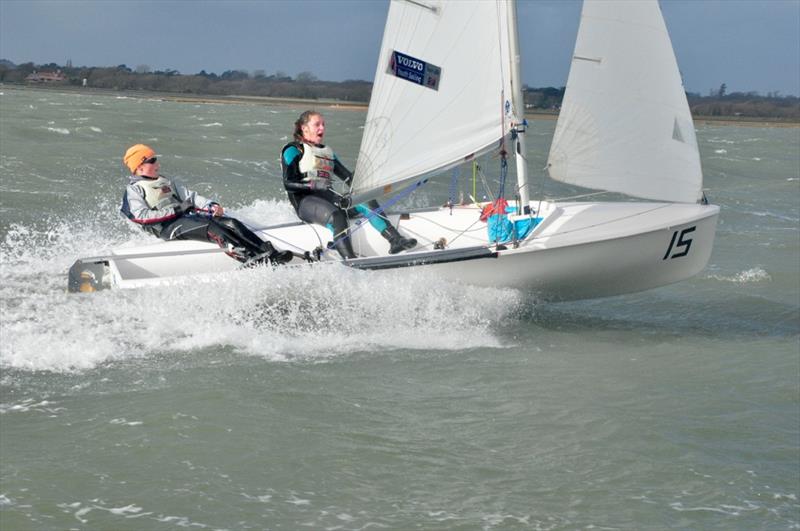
(305, 85)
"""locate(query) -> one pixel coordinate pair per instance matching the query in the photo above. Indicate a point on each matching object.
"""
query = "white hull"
(578, 251)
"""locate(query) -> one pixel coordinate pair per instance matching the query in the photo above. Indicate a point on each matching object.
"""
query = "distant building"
(46, 77)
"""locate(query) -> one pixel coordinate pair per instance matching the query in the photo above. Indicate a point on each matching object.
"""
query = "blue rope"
(503, 173)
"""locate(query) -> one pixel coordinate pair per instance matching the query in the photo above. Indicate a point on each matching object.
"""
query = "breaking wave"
(755, 274)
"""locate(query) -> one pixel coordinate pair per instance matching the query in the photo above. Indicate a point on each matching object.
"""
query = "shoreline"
(746, 121)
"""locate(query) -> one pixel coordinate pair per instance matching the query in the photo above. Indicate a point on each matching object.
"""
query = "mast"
(518, 104)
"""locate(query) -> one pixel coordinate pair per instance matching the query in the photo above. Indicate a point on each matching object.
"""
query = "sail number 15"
(679, 244)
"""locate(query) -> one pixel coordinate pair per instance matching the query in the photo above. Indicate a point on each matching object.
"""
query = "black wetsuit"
(316, 206)
(187, 217)
(324, 206)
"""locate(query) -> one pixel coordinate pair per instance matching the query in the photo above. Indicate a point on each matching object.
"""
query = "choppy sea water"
(328, 399)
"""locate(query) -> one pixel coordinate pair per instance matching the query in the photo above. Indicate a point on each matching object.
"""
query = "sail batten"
(625, 124)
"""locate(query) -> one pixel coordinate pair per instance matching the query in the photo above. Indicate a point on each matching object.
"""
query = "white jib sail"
(625, 124)
(441, 94)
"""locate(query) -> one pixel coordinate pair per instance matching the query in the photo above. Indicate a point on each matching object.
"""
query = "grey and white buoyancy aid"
(317, 163)
(159, 193)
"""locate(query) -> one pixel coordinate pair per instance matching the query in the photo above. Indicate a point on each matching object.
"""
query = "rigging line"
(441, 225)
(503, 174)
(474, 179)
(454, 178)
(255, 228)
(581, 196)
(468, 229)
(290, 244)
(486, 187)
(615, 220)
(499, 18)
(377, 212)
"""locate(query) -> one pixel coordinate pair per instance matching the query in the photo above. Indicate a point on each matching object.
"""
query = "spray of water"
(306, 312)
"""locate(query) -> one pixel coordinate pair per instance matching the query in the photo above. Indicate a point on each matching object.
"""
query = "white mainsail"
(625, 124)
(442, 91)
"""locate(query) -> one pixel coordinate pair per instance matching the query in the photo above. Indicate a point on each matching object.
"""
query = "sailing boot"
(275, 256)
(397, 242)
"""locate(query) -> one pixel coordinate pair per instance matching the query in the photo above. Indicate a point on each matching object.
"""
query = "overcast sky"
(746, 44)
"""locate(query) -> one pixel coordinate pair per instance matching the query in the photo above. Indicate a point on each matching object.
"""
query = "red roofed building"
(46, 77)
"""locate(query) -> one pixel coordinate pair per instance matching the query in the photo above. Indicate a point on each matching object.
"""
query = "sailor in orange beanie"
(136, 155)
(166, 208)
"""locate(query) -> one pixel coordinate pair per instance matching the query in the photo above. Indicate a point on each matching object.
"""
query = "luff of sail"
(417, 126)
(625, 124)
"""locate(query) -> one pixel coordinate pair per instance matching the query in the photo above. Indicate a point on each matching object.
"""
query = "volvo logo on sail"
(414, 70)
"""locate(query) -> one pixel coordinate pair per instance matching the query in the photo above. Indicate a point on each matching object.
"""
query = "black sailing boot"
(397, 242)
(275, 256)
(278, 257)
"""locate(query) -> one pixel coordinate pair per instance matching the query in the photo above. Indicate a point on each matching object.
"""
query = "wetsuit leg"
(379, 222)
(397, 242)
(186, 228)
(222, 231)
(314, 209)
(238, 231)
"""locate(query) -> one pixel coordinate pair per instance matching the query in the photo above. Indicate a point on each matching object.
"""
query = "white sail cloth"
(625, 124)
(441, 94)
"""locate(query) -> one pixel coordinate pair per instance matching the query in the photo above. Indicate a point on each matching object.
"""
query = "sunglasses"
(151, 160)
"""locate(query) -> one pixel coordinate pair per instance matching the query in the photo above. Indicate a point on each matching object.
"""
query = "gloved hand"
(345, 202)
(319, 185)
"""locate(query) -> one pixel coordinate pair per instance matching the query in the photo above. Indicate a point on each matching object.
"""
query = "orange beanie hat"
(136, 155)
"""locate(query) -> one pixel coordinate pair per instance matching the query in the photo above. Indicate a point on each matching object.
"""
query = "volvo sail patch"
(414, 70)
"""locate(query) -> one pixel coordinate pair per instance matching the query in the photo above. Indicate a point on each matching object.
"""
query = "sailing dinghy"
(624, 127)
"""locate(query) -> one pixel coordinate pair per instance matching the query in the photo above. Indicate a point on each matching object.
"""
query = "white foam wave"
(309, 313)
(726, 509)
(96, 129)
(59, 130)
(720, 151)
(755, 274)
(29, 404)
(212, 124)
(774, 215)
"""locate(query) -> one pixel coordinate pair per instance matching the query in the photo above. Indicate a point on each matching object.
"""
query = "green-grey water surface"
(293, 399)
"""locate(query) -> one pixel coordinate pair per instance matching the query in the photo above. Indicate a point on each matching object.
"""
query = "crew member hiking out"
(167, 209)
